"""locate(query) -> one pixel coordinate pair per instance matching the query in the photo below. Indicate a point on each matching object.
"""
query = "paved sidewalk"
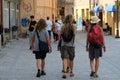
(18, 63)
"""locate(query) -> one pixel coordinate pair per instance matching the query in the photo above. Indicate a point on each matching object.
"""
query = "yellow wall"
(38, 8)
(26, 9)
(44, 8)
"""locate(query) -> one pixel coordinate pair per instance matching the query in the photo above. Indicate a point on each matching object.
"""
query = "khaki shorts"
(67, 52)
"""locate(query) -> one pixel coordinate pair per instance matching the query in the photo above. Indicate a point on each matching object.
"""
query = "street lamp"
(117, 29)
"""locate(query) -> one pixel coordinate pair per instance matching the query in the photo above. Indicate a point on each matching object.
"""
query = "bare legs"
(94, 66)
(40, 64)
(65, 65)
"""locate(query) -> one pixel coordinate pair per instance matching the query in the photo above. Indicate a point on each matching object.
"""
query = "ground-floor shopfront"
(11, 19)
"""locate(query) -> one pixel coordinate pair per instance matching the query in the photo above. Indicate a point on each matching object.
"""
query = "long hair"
(67, 25)
(40, 25)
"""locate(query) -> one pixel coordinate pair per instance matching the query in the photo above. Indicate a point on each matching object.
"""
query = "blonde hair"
(67, 25)
(41, 25)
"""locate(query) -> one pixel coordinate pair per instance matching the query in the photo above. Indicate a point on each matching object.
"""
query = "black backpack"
(69, 37)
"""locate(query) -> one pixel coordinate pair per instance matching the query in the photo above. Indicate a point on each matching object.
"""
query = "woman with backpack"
(67, 45)
(94, 44)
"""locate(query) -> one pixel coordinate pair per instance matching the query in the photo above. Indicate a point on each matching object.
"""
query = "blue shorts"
(49, 32)
(95, 52)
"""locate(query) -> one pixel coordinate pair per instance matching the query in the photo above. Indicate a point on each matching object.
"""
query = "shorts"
(67, 52)
(49, 32)
(95, 52)
(39, 55)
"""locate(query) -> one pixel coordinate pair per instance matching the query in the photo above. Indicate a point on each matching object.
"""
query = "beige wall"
(26, 9)
(38, 8)
(44, 8)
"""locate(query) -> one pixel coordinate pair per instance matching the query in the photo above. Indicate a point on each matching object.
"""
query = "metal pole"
(117, 30)
(9, 21)
(90, 7)
(2, 39)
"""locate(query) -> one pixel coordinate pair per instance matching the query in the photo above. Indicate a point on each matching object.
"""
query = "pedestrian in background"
(49, 27)
(83, 25)
(59, 25)
(75, 25)
(95, 50)
(31, 28)
(54, 30)
(87, 25)
(43, 36)
(67, 45)
(108, 28)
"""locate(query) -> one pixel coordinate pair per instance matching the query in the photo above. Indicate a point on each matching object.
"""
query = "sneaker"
(43, 73)
(38, 74)
(71, 74)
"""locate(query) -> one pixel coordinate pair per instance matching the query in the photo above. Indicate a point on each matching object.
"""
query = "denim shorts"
(95, 52)
(67, 52)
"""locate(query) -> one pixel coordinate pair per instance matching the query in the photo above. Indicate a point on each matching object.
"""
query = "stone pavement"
(18, 63)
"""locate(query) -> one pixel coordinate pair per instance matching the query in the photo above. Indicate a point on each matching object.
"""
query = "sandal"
(64, 76)
(71, 74)
(67, 70)
(92, 73)
(95, 76)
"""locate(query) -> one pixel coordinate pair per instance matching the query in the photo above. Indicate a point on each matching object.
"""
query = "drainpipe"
(2, 39)
(90, 7)
(117, 29)
(10, 33)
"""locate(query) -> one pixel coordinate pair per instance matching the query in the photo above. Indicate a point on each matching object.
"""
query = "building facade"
(69, 7)
(38, 8)
(84, 9)
(11, 19)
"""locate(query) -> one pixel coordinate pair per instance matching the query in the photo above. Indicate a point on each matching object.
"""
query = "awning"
(111, 8)
(97, 9)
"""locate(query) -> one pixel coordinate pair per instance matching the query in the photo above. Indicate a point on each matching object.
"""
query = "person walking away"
(94, 44)
(49, 27)
(83, 25)
(87, 25)
(31, 28)
(59, 26)
(55, 34)
(67, 45)
(108, 28)
(43, 36)
(75, 25)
